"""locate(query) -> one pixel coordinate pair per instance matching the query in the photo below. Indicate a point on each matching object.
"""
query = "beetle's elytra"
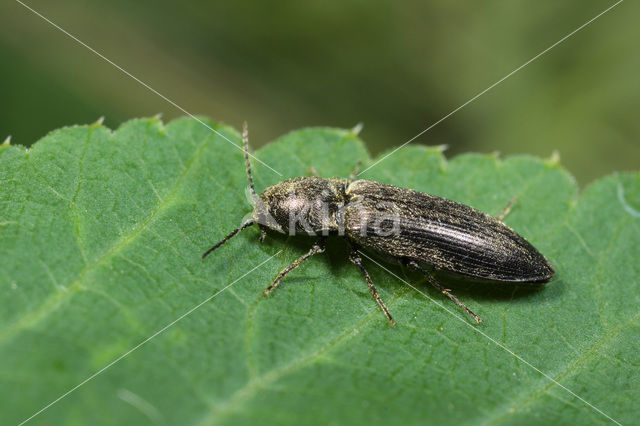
(413, 227)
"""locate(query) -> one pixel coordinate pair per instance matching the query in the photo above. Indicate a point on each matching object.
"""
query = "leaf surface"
(101, 235)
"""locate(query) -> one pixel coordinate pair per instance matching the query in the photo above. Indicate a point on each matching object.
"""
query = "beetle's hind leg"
(413, 264)
(354, 174)
(506, 209)
(318, 247)
(355, 258)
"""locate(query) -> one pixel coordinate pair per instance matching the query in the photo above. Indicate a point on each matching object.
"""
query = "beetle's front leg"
(318, 247)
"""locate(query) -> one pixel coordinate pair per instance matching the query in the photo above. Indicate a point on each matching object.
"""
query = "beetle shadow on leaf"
(298, 244)
(336, 259)
(482, 289)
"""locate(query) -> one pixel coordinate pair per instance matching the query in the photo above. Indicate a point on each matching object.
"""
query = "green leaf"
(100, 239)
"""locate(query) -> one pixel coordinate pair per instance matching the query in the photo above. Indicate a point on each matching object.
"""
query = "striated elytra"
(447, 235)
(412, 227)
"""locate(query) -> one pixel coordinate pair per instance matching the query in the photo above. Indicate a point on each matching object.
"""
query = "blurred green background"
(397, 67)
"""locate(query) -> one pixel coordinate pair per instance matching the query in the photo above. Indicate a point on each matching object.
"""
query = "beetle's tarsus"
(263, 234)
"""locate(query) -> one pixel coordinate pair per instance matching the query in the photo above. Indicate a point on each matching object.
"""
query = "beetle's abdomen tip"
(550, 272)
(544, 273)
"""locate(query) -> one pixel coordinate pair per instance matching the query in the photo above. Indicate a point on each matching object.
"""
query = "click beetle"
(415, 228)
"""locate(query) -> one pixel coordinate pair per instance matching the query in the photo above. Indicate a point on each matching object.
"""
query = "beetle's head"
(306, 205)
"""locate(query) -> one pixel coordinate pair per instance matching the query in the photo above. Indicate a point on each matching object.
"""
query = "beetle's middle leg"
(355, 258)
(413, 264)
(263, 233)
(318, 247)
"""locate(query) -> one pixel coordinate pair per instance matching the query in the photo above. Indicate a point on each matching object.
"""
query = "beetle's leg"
(318, 247)
(312, 171)
(440, 287)
(355, 258)
(354, 173)
(505, 211)
(263, 233)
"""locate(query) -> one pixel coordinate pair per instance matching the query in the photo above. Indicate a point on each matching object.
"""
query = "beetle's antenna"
(245, 148)
(228, 237)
